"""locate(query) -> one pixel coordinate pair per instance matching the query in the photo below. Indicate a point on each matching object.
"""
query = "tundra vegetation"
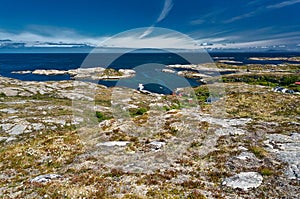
(165, 148)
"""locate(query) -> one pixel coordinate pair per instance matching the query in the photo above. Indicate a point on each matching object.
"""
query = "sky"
(214, 24)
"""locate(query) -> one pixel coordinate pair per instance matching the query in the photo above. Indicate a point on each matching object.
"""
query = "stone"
(113, 143)
(157, 145)
(49, 72)
(229, 131)
(244, 180)
(6, 127)
(246, 156)
(287, 149)
(241, 148)
(3, 139)
(10, 139)
(9, 110)
(45, 178)
(37, 126)
(10, 91)
(17, 129)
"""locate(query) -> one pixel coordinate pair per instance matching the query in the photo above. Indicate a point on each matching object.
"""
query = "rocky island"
(96, 73)
(295, 59)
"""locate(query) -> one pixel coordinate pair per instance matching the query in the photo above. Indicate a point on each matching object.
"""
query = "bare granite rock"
(113, 143)
(18, 129)
(9, 110)
(244, 180)
(287, 149)
(45, 178)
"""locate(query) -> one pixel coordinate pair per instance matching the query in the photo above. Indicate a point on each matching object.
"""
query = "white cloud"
(197, 21)
(147, 32)
(247, 15)
(266, 43)
(165, 11)
(157, 38)
(167, 8)
(262, 8)
(50, 35)
(283, 4)
(160, 42)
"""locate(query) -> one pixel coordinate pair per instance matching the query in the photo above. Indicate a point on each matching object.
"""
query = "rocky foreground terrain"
(80, 140)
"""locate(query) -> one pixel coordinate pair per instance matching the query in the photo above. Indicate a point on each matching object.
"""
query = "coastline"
(124, 134)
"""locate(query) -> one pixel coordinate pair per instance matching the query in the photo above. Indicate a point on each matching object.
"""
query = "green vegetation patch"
(258, 151)
(271, 79)
(101, 116)
(138, 112)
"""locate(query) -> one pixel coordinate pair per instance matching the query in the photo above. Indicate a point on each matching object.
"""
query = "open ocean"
(65, 61)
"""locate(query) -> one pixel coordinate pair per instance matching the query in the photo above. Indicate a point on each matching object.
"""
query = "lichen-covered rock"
(287, 149)
(157, 145)
(244, 180)
(45, 178)
(113, 143)
(17, 129)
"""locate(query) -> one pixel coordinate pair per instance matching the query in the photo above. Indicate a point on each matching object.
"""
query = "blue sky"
(213, 24)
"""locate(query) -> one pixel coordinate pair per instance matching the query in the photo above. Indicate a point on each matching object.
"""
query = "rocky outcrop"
(198, 67)
(96, 73)
(287, 149)
(45, 178)
(244, 180)
(275, 59)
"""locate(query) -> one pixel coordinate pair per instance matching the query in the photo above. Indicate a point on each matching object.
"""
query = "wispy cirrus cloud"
(156, 42)
(283, 4)
(165, 11)
(261, 9)
(197, 21)
(168, 5)
(208, 17)
(246, 15)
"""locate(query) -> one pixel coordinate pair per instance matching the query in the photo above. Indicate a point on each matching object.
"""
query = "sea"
(148, 64)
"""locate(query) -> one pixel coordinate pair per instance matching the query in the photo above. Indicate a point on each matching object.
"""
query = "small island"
(96, 73)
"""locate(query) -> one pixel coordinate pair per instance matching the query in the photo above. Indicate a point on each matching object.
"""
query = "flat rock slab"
(287, 149)
(8, 110)
(113, 143)
(17, 129)
(246, 156)
(45, 178)
(229, 131)
(157, 145)
(244, 180)
(3, 139)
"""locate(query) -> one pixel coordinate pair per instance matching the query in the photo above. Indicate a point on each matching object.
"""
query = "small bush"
(266, 171)
(202, 93)
(258, 151)
(140, 111)
(101, 117)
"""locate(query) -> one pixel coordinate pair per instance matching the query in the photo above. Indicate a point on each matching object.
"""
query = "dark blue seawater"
(64, 61)
(151, 62)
